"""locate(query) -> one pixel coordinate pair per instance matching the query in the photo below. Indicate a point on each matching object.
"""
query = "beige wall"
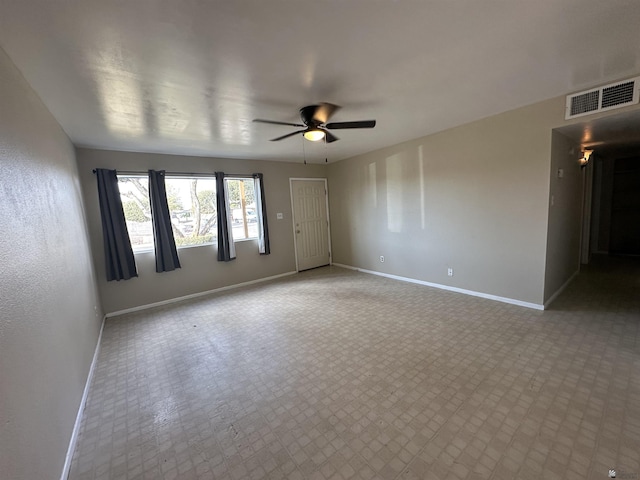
(473, 198)
(200, 270)
(565, 214)
(48, 324)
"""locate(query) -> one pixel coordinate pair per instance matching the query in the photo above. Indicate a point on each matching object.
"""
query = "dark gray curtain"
(165, 245)
(226, 247)
(263, 227)
(118, 254)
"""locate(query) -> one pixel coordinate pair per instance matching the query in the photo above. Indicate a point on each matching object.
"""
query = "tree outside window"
(242, 203)
(192, 206)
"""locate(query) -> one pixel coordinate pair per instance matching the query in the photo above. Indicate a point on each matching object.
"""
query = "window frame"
(148, 248)
(169, 176)
(243, 206)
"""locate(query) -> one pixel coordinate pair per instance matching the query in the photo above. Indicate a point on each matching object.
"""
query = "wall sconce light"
(586, 154)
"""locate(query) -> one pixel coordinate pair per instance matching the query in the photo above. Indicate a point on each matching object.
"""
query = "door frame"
(293, 220)
(587, 209)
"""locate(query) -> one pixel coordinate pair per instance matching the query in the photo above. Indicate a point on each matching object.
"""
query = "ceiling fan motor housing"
(307, 113)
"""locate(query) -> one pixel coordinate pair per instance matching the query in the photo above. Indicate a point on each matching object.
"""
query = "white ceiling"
(188, 76)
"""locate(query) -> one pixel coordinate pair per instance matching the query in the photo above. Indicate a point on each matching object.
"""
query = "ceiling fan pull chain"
(304, 152)
(326, 160)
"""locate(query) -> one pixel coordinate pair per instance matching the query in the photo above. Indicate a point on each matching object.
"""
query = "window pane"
(134, 193)
(192, 205)
(242, 203)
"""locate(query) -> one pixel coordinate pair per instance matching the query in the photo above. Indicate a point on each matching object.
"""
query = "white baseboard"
(561, 289)
(83, 402)
(196, 295)
(473, 293)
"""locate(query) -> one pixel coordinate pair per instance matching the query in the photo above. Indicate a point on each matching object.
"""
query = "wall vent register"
(606, 97)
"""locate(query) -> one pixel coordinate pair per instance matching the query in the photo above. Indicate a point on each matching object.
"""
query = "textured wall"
(49, 311)
(200, 270)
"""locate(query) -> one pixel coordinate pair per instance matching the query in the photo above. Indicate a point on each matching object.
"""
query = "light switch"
(279, 216)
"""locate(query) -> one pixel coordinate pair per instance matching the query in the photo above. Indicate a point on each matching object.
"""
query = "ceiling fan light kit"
(314, 135)
(314, 123)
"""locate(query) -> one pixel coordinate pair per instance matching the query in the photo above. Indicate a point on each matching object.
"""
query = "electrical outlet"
(381, 258)
(450, 271)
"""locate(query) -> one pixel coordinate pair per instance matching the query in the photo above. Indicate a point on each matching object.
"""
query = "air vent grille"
(585, 103)
(604, 98)
(617, 94)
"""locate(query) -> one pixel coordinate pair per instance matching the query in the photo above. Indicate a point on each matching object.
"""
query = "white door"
(310, 222)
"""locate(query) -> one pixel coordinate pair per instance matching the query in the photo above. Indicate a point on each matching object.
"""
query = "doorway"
(624, 238)
(310, 208)
(611, 221)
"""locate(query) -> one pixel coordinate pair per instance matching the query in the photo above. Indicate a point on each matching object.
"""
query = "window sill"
(151, 250)
(241, 240)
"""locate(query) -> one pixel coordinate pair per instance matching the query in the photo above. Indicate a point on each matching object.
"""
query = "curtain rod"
(183, 174)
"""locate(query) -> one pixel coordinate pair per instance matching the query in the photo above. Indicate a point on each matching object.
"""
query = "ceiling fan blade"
(273, 122)
(324, 111)
(358, 124)
(287, 135)
(329, 137)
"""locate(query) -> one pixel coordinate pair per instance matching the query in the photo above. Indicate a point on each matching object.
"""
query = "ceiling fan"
(314, 123)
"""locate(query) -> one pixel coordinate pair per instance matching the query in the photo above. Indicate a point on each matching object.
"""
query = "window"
(192, 206)
(134, 193)
(242, 203)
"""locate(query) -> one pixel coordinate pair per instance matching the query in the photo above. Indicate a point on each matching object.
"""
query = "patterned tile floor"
(333, 374)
